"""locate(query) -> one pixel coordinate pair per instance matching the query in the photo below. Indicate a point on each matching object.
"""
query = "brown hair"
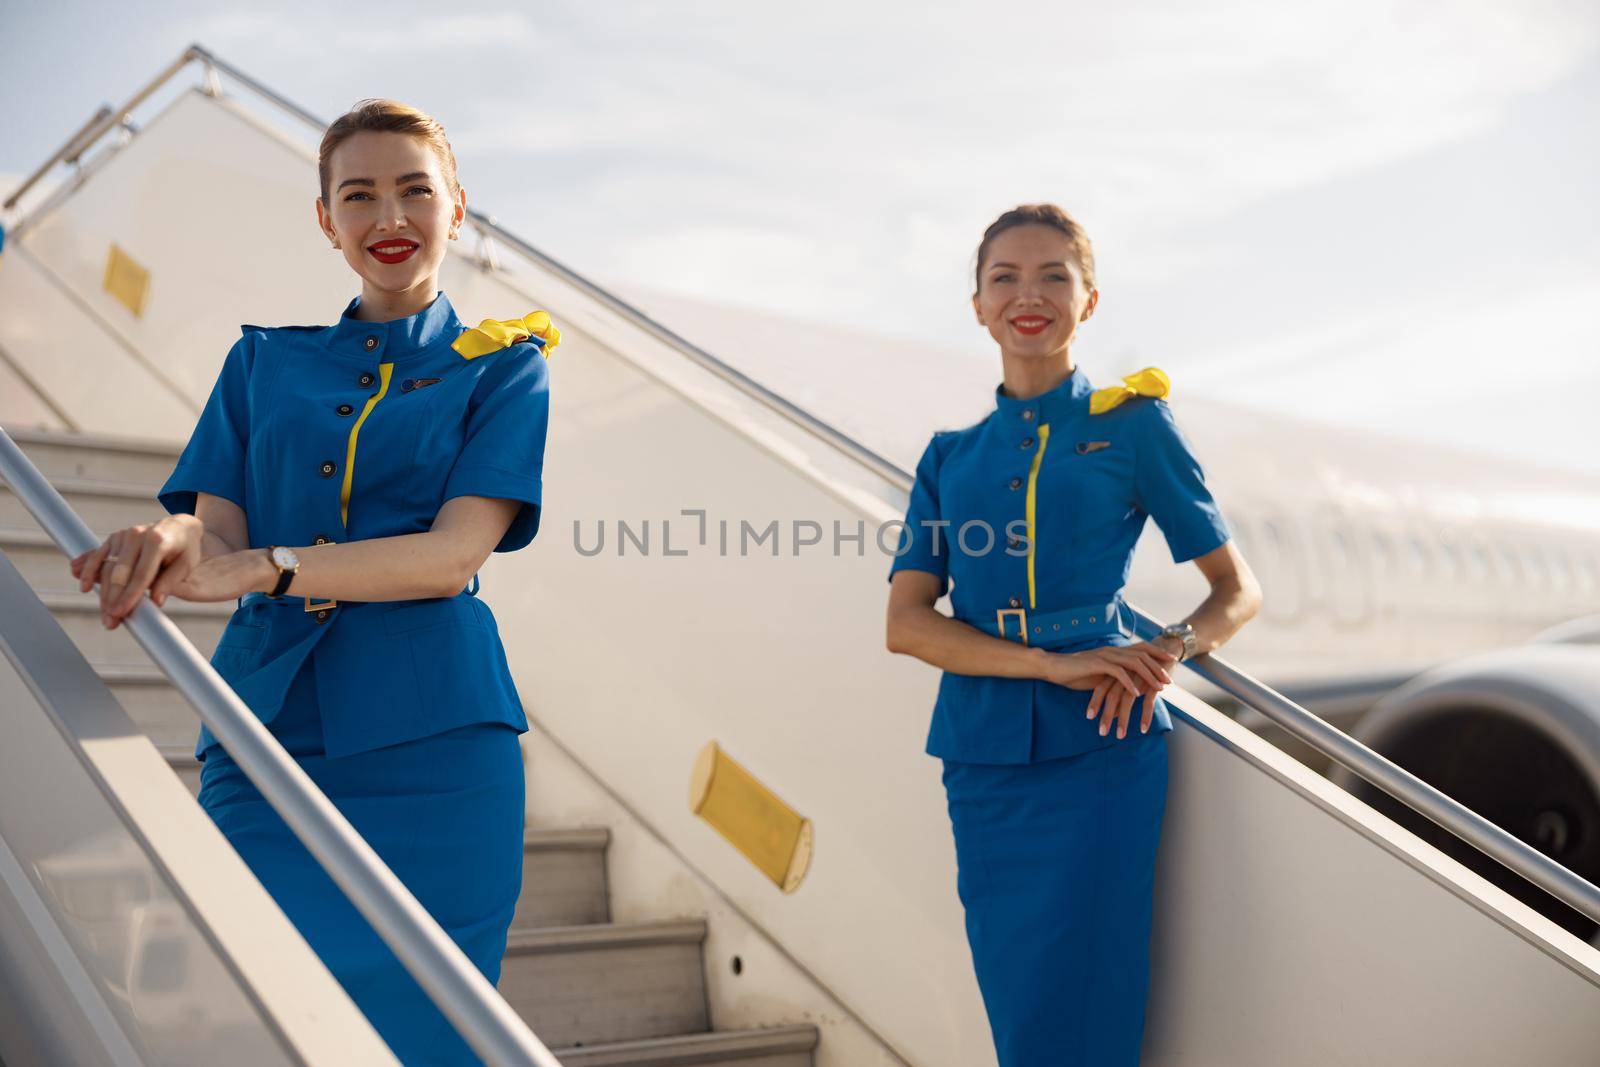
(1039, 215)
(386, 116)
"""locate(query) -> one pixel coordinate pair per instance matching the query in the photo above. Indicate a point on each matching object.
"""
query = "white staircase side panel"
(58, 358)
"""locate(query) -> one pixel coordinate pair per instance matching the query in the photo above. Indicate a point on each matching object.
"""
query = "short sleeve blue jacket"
(1030, 518)
(329, 434)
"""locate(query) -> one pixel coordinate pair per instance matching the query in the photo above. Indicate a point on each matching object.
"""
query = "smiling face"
(390, 211)
(1031, 294)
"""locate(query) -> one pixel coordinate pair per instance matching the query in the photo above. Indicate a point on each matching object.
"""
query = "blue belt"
(313, 604)
(1083, 620)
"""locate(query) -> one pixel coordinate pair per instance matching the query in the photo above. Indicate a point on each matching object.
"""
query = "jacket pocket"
(247, 635)
(412, 616)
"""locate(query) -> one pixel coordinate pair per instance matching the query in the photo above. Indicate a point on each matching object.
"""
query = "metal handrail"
(1399, 783)
(453, 981)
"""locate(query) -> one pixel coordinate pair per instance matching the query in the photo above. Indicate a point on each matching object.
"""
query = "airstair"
(1295, 924)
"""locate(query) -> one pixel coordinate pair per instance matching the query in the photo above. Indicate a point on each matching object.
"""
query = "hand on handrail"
(157, 556)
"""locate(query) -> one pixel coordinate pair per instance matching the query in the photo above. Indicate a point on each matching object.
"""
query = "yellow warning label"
(772, 835)
(126, 280)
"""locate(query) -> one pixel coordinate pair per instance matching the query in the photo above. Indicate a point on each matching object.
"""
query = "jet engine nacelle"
(1515, 736)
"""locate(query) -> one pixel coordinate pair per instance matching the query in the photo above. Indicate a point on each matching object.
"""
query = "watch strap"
(285, 575)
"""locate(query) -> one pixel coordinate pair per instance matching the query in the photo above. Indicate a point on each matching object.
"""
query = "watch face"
(284, 556)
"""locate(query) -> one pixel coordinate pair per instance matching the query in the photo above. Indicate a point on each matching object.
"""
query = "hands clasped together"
(164, 558)
(1116, 676)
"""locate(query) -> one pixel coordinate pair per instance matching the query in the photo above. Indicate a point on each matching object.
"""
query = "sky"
(1379, 214)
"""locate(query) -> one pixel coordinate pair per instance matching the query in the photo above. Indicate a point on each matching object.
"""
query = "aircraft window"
(1418, 553)
(1505, 562)
(1382, 549)
(1560, 568)
(1341, 549)
(1450, 552)
(1533, 566)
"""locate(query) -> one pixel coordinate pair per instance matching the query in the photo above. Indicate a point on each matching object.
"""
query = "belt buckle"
(1022, 621)
(311, 605)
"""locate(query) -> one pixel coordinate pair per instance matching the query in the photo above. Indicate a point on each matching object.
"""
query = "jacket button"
(1027, 414)
(345, 409)
(367, 379)
(320, 540)
(1016, 483)
(372, 342)
(1027, 442)
(322, 615)
(327, 468)
(1016, 602)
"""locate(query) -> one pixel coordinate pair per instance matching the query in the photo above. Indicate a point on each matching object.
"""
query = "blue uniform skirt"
(1056, 870)
(444, 812)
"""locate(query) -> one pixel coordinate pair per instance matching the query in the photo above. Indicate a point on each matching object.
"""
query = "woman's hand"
(1116, 676)
(130, 559)
(1115, 704)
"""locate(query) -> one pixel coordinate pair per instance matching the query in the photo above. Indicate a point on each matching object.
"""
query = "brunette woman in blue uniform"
(345, 483)
(1055, 804)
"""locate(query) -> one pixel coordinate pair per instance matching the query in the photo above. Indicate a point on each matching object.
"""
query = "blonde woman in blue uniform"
(344, 483)
(1055, 802)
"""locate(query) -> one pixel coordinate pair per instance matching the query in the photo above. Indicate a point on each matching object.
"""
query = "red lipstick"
(393, 251)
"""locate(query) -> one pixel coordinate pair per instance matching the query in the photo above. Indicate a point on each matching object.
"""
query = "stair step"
(608, 982)
(79, 615)
(781, 1046)
(103, 457)
(563, 879)
(103, 505)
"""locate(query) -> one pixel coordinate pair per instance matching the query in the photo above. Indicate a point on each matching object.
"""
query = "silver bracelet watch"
(1185, 633)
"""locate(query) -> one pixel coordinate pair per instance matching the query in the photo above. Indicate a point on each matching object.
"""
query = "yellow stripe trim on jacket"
(384, 370)
(1032, 513)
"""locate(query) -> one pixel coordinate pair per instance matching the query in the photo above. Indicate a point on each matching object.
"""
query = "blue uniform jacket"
(360, 430)
(1066, 495)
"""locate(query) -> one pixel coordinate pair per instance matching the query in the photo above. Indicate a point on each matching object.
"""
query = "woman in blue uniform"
(1031, 515)
(345, 482)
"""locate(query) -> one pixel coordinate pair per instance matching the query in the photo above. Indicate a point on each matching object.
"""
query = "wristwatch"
(288, 565)
(1185, 633)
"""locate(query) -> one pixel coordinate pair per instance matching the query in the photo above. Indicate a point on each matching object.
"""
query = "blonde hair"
(386, 116)
(1040, 215)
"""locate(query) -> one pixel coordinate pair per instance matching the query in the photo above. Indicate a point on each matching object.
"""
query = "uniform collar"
(1067, 400)
(397, 339)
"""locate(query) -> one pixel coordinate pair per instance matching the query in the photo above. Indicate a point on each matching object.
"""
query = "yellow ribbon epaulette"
(491, 335)
(1152, 381)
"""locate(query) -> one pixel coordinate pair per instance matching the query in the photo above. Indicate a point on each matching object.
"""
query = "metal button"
(1055, 626)
(1015, 602)
(320, 540)
(345, 409)
(1074, 622)
(366, 379)
(1092, 619)
(1027, 442)
(372, 342)
(1027, 414)
(327, 468)
(322, 615)
(1038, 630)
(1016, 483)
